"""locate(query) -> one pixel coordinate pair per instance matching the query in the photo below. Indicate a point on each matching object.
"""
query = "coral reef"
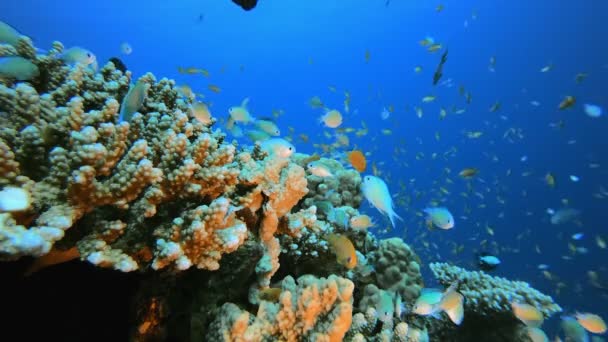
(208, 225)
(397, 268)
(488, 313)
(489, 295)
(367, 327)
(122, 183)
(340, 190)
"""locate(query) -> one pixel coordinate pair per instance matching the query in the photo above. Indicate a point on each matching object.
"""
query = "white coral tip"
(14, 199)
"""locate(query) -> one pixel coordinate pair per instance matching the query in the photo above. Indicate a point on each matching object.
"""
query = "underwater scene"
(304, 170)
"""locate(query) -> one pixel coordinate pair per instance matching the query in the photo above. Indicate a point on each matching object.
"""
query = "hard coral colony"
(151, 188)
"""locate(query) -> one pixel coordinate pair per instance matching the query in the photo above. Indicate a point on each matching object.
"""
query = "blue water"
(265, 54)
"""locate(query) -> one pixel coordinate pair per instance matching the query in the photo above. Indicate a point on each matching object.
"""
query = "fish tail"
(392, 215)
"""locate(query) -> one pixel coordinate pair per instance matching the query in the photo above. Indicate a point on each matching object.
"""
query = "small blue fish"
(440, 217)
(487, 262)
(577, 236)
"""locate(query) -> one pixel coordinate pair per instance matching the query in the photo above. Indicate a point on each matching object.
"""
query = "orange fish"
(528, 314)
(344, 249)
(356, 158)
(592, 323)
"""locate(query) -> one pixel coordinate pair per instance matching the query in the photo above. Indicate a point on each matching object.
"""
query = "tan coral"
(319, 309)
(61, 141)
(200, 237)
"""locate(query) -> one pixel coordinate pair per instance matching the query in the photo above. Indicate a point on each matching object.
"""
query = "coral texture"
(316, 309)
(489, 295)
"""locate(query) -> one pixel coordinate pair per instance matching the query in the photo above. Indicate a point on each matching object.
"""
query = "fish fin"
(245, 102)
(452, 303)
(533, 323)
(456, 314)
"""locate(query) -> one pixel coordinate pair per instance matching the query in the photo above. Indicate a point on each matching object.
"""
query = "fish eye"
(88, 54)
(290, 148)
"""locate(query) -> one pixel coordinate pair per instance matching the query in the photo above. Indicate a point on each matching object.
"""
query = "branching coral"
(488, 295)
(159, 190)
(163, 191)
(318, 309)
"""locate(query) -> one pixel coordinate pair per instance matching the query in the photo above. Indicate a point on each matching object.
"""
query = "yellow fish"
(528, 314)
(316, 103)
(469, 172)
(270, 294)
(567, 102)
(434, 48)
(201, 113)
(550, 180)
(241, 113)
(214, 88)
(361, 222)
(332, 119)
(344, 249)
